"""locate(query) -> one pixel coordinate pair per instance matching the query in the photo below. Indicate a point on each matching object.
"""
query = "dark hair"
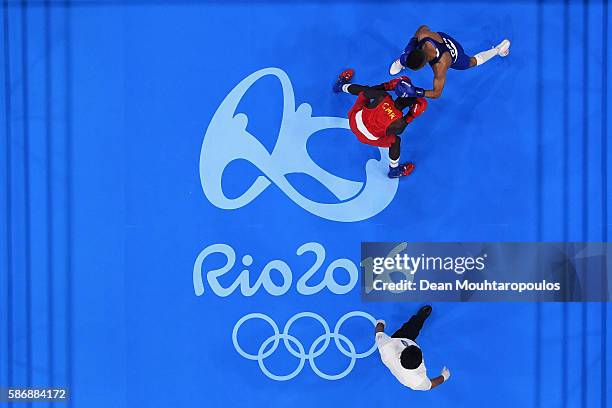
(411, 357)
(416, 59)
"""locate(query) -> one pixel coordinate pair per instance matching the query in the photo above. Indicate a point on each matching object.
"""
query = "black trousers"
(410, 329)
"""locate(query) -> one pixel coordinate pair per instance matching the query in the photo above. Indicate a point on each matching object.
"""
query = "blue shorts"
(461, 61)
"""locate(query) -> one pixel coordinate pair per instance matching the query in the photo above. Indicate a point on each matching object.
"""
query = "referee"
(403, 356)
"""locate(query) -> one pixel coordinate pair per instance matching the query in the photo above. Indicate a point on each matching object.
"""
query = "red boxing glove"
(390, 85)
(417, 109)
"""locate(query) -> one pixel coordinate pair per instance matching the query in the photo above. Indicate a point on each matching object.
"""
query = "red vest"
(378, 119)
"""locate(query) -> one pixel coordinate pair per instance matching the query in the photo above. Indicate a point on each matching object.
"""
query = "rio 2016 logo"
(291, 343)
(227, 139)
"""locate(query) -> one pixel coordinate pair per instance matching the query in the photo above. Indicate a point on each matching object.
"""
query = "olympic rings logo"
(297, 349)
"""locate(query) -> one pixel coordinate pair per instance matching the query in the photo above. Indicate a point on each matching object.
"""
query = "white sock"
(345, 88)
(484, 56)
(393, 163)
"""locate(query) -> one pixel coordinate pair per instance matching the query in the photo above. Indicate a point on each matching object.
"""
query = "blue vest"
(449, 45)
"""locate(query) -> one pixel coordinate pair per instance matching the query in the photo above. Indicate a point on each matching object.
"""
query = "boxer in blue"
(442, 52)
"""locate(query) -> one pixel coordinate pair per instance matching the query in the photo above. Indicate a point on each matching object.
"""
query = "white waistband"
(362, 128)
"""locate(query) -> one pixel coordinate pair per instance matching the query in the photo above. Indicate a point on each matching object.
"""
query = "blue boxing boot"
(402, 170)
(343, 79)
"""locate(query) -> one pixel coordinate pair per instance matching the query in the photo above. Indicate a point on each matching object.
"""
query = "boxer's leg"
(394, 153)
(369, 91)
(395, 168)
(502, 49)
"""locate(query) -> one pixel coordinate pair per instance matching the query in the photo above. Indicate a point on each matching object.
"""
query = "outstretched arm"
(436, 381)
(438, 82)
(440, 379)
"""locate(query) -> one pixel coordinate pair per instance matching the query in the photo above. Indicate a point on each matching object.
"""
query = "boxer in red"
(376, 119)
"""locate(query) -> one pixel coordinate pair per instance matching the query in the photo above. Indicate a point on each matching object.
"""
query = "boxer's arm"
(390, 85)
(438, 82)
(422, 31)
(436, 381)
(416, 110)
(443, 377)
(418, 107)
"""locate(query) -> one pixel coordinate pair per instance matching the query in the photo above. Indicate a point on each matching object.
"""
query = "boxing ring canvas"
(183, 202)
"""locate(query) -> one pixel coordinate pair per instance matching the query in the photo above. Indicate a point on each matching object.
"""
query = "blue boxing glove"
(409, 48)
(405, 89)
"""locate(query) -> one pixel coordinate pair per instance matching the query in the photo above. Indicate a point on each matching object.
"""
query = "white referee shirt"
(390, 350)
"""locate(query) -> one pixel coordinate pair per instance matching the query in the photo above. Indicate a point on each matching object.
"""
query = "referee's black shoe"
(424, 312)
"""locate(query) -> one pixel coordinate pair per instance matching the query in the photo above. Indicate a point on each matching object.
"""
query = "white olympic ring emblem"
(299, 351)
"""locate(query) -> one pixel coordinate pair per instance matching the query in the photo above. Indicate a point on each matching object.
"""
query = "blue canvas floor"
(148, 162)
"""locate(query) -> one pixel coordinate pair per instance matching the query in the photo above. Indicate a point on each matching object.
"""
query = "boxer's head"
(411, 357)
(416, 59)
